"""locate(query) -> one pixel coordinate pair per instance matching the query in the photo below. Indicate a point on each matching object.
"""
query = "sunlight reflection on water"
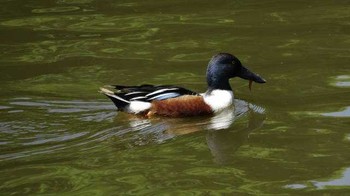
(341, 81)
(343, 180)
(343, 113)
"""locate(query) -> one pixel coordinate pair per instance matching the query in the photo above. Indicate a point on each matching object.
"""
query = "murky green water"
(59, 136)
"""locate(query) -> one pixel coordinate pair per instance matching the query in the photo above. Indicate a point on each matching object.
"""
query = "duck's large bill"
(248, 75)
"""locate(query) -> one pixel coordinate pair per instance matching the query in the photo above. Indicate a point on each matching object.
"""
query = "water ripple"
(23, 134)
(55, 9)
(30, 136)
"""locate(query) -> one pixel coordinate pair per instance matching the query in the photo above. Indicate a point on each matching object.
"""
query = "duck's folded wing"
(149, 93)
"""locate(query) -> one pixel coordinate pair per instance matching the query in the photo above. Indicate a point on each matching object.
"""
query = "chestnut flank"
(187, 105)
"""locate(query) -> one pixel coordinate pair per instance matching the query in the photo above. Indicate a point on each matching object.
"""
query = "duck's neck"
(218, 83)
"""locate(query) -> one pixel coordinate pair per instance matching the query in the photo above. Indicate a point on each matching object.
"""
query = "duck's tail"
(118, 101)
(124, 104)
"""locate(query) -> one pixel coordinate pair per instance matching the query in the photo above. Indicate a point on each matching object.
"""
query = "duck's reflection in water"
(226, 131)
(224, 142)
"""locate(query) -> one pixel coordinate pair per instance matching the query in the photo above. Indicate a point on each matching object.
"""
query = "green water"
(58, 135)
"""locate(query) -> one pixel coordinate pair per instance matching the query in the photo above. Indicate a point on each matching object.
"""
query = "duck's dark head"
(224, 66)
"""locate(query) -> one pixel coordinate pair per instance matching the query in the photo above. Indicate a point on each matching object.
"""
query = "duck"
(174, 101)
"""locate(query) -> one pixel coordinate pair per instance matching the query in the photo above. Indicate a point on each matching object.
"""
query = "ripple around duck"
(74, 123)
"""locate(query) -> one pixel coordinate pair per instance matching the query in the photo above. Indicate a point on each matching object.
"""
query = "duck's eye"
(233, 62)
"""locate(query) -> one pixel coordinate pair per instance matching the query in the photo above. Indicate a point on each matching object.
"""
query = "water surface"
(58, 135)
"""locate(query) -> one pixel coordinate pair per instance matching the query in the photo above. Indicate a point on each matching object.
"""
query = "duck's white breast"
(218, 99)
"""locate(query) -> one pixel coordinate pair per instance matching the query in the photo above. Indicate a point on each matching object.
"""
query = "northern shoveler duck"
(174, 101)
